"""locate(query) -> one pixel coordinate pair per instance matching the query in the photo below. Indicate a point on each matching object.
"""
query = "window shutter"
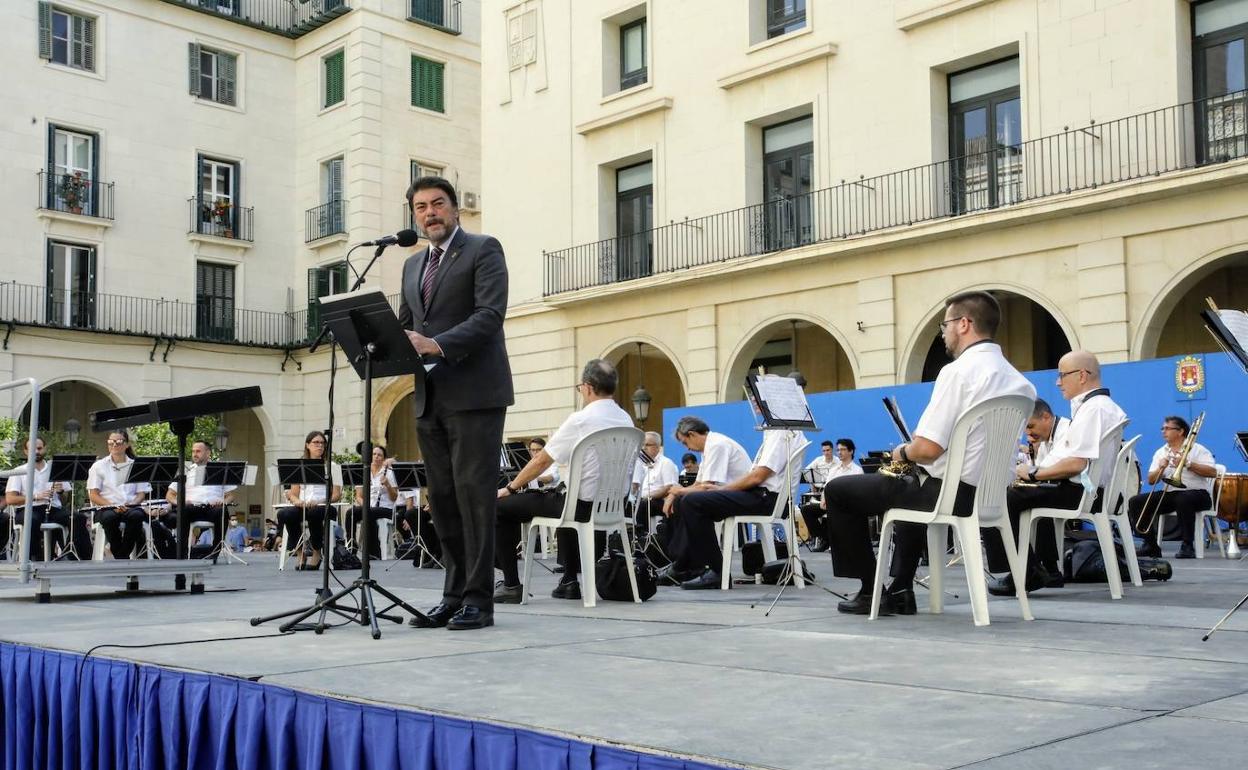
(88, 44)
(334, 76)
(435, 87)
(226, 66)
(427, 84)
(417, 73)
(335, 179)
(200, 275)
(193, 49)
(45, 30)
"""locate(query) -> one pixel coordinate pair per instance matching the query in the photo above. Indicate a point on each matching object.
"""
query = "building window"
(428, 84)
(72, 170)
(334, 78)
(1221, 74)
(322, 282)
(985, 141)
(633, 54)
(217, 197)
(213, 74)
(66, 38)
(522, 39)
(788, 172)
(784, 16)
(634, 220)
(214, 302)
(70, 296)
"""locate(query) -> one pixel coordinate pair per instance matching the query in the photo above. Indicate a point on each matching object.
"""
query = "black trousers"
(213, 513)
(514, 510)
(356, 515)
(410, 518)
(1044, 549)
(123, 528)
(853, 500)
(461, 461)
(697, 512)
(290, 520)
(1185, 502)
(816, 519)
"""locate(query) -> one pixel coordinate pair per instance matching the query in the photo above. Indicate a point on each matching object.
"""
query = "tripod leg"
(1225, 617)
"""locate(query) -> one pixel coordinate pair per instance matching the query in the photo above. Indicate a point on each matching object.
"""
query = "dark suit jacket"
(465, 317)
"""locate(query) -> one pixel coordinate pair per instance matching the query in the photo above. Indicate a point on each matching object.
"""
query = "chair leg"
(1212, 522)
(1128, 548)
(628, 562)
(727, 542)
(937, 536)
(790, 539)
(97, 541)
(881, 568)
(589, 583)
(528, 536)
(1105, 536)
(967, 530)
(1026, 524)
(1018, 567)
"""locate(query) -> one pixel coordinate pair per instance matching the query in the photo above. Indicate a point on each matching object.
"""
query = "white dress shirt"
(774, 455)
(379, 497)
(820, 468)
(660, 474)
(43, 476)
(198, 493)
(723, 460)
(978, 374)
(1199, 455)
(553, 472)
(109, 480)
(594, 416)
(315, 493)
(1060, 424)
(1090, 418)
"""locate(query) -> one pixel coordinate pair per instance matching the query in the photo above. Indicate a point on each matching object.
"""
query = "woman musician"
(307, 503)
(384, 494)
(1188, 500)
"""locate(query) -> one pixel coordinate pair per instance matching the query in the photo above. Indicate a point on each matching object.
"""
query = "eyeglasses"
(1062, 375)
(317, 441)
(116, 442)
(948, 321)
(1171, 427)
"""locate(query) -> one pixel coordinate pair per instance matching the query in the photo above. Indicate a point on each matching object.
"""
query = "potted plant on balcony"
(73, 191)
(221, 216)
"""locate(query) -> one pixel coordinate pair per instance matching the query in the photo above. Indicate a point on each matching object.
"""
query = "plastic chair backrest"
(1116, 490)
(1110, 443)
(1002, 419)
(616, 452)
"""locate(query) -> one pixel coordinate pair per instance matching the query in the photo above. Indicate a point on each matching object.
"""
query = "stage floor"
(1090, 683)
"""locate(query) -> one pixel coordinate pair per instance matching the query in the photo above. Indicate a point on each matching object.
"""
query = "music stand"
(70, 469)
(226, 473)
(376, 344)
(155, 470)
(410, 476)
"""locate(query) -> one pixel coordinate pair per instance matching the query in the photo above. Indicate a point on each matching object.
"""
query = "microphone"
(401, 238)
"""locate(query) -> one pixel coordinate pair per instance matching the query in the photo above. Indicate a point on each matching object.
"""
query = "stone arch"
(86, 395)
(1177, 289)
(915, 351)
(732, 375)
(657, 369)
(267, 425)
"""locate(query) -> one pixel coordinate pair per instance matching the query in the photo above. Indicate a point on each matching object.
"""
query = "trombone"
(1172, 479)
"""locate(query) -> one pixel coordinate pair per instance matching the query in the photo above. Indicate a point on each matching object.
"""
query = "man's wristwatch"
(1031, 475)
(512, 490)
(902, 453)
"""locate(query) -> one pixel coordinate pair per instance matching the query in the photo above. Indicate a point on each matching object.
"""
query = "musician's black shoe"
(435, 618)
(819, 545)
(669, 575)
(1186, 551)
(1004, 586)
(469, 618)
(708, 579)
(569, 590)
(861, 604)
(900, 602)
(505, 594)
(1053, 577)
(1149, 550)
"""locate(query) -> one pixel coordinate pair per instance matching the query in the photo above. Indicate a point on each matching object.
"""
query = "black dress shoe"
(1004, 586)
(899, 602)
(570, 590)
(505, 594)
(820, 545)
(1149, 550)
(708, 579)
(1053, 577)
(861, 604)
(470, 617)
(1186, 551)
(434, 618)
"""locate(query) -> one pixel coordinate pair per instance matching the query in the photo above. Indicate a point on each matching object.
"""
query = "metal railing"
(284, 17)
(221, 219)
(1188, 135)
(440, 14)
(75, 194)
(324, 220)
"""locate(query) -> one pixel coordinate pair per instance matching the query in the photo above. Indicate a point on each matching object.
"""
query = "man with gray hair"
(652, 481)
(517, 505)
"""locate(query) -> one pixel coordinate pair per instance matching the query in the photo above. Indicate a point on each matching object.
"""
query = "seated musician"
(689, 468)
(413, 518)
(825, 467)
(118, 504)
(651, 483)
(384, 493)
(204, 502)
(307, 502)
(1062, 464)
(516, 505)
(45, 506)
(1195, 495)
(549, 479)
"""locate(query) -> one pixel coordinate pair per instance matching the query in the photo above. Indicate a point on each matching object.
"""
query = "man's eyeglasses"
(948, 321)
(1063, 375)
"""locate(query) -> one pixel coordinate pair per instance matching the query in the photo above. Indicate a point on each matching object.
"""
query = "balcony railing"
(220, 218)
(284, 17)
(324, 220)
(1188, 135)
(75, 194)
(439, 14)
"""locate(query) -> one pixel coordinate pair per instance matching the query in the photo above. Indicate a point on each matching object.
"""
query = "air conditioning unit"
(470, 201)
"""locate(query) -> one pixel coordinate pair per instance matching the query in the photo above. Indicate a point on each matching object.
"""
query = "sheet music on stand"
(781, 402)
(1230, 329)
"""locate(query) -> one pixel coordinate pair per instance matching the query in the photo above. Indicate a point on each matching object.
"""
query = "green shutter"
(193, 50)
(226, 67)
(427, 85)
(88, 44)
(45, 30)
(334, 80)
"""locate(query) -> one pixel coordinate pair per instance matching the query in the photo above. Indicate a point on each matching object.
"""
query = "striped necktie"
(431, 271)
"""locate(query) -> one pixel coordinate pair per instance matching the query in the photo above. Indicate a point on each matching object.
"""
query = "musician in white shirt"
(549, 479)
(1195, 495)
(204, 502)
(118, 502)
(652, 482)
(308, 501)
(383, 495)
(841, 464)
(45, 504)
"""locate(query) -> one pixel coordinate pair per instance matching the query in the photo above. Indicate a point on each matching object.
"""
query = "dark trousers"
(853, 500)
(697, 512)
(1185, 502)
(43, 514)
(514, 510)
(213, 513)
(816, 519)
(356, 515)
(291, 517)
(123, 528)
(1044, 547)
(461, 460)
(414, 518)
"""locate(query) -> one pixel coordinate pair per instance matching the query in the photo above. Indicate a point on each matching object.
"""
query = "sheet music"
(784, 397)
(1236, 322)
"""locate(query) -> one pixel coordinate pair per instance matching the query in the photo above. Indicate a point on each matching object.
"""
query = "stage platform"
(705, 676)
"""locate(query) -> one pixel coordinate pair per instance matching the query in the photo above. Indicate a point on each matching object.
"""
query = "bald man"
(1070, 452)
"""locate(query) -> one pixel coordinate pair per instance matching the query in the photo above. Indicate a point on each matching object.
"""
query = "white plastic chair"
(1002, 420)
(1206, 521)
(1113, 511)
(729, 528)
(616, 450)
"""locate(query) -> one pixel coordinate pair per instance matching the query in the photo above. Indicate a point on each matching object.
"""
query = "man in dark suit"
(454, 300)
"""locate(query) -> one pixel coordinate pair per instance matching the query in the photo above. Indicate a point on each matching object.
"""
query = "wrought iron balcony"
(220, 218)
(291, 18)
(75, 194)
(1189, 135)
(324, 220)
(442, 15)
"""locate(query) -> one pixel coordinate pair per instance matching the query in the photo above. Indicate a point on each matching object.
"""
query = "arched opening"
(61, 402)
(246, 441)
(1226, 283)
(1030, 337)
(642, 364)
(400, 434)
(819, 357)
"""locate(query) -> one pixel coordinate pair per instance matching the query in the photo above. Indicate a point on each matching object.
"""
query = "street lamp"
(73, 429)
(641, 396)
(222, 439)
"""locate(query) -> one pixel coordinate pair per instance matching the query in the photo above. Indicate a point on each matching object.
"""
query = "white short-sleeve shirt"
(379, 497)
(774, 455)
(553, 472)
(1199, 455)
(723, 460)
(978, 374)
(820, 468)
(848, 469)
(660, 474)
(594, 416)
(1060, 424)
(1092, 414)
(109, 480)
(315, 493)
(43, 476)
(198, 493)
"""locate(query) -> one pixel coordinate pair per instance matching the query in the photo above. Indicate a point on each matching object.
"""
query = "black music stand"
(69, 469)
(224, 473)
(304, 471)
(376, 345)
(412, 476)
(158, 471)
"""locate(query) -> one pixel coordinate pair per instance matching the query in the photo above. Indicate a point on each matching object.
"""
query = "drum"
(1233, 504)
